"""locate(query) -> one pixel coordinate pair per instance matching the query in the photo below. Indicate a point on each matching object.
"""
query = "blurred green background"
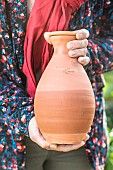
(108, 94)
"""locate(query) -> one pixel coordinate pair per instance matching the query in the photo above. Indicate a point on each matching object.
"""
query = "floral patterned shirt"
(16, 107)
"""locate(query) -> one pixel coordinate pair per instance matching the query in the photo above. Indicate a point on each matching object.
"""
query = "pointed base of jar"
(64, 139)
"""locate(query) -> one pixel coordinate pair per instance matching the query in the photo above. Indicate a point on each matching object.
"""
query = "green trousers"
(42, 159)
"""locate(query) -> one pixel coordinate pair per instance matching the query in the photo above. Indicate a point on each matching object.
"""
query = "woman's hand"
(78, 48)
(37, 137)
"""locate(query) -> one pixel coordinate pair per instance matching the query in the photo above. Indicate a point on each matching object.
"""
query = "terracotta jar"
(64, 103)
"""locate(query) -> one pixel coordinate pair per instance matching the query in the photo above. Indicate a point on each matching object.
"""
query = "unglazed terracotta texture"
(64, 102)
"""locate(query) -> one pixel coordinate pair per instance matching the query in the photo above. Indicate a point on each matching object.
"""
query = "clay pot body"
(64, 103)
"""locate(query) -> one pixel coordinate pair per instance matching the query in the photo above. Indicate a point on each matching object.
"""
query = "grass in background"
(108, 94)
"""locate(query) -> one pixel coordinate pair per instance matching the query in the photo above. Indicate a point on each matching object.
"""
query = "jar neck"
(60, 49)
(60, 43)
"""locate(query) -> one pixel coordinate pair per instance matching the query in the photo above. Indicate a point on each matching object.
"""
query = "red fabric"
(46, 15)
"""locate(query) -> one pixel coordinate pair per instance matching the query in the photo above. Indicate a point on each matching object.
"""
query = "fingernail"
(53, 146)
(79, 36)
(83, 142)
(82, 60)
(72, 53)
(70, 46)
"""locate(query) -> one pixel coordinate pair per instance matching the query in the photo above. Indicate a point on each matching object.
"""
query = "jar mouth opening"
(62, 33)
(48, 35)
